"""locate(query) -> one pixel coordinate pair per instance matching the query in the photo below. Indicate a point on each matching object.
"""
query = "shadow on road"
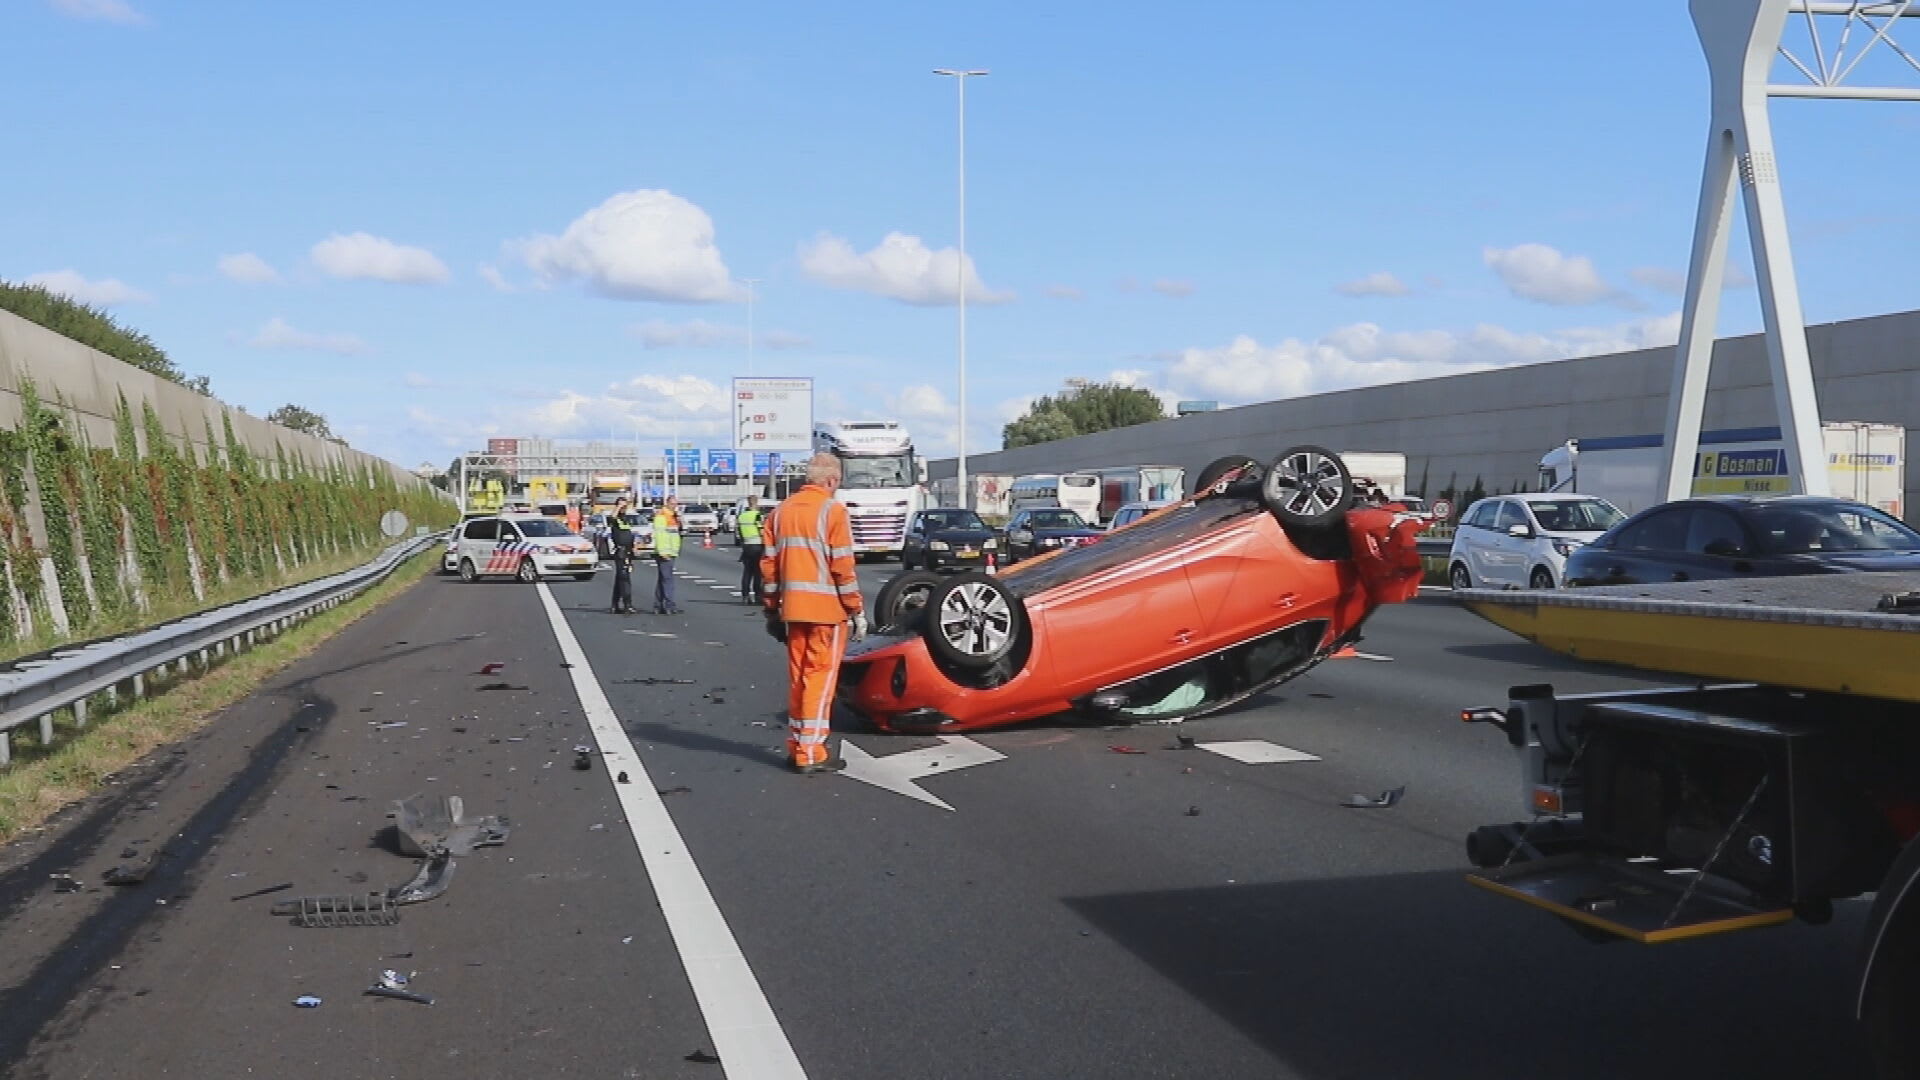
(1525, 654)
(1421, 975)
(757, 753)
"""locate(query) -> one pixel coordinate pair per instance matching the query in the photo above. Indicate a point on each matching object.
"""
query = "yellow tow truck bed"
(1827, 632)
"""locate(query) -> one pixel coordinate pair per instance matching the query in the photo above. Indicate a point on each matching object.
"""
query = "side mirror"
(1524, 532)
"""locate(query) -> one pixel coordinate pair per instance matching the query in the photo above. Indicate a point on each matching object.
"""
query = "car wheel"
(583, 577)
(1308, 487)
(1223, 473)
(527, 572)
(1459, 578)
(1542, 578)
(902, 601)
(468, 573)
(973, 621)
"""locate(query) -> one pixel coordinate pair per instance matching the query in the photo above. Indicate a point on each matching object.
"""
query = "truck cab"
(881, 481)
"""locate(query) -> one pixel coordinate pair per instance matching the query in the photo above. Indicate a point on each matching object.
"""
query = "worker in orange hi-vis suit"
(813, 604)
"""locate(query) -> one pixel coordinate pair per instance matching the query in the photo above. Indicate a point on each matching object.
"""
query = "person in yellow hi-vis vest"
(666, 552)
(812, 603)
(748, 527)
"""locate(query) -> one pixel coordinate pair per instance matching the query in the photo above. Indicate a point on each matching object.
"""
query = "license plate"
(968, 553)
(578, 562)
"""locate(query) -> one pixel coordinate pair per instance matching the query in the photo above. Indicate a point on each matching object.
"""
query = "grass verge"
(43, 779)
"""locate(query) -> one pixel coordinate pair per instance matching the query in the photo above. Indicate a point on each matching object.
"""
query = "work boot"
(831, 765)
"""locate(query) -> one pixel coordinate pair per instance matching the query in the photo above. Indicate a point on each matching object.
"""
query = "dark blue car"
(1745, 536)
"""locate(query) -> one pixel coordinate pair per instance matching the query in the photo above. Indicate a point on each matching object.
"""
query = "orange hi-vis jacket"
(808, 566)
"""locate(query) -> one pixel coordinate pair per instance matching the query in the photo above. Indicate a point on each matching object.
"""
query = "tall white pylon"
(1741, 39)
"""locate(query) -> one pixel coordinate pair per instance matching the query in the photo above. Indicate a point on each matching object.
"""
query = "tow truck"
(1785, 776)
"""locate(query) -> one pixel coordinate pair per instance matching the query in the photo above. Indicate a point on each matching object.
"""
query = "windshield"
(954, 519)
(1575, 515)
(696, 508)
(541, 527)
(1055, 519)
(1804, 530)
(893, 471)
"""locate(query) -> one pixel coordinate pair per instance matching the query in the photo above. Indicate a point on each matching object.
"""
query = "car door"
(1019, 537)
(1507, 553)
(1648, 550)
(1136, 616)
(916, 541)
(476, 542)
(1717, 546)
(1471, 538)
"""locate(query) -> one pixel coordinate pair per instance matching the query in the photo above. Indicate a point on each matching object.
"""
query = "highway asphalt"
(1078, 912)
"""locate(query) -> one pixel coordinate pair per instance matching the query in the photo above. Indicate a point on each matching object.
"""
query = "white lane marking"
(746, 1035)
(1257, 751)
(897, 772)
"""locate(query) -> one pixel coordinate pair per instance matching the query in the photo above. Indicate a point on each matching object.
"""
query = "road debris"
(701, 1057)
(1382, 801)
(623, 777)
(1184, 742)
(655, 680)
(131, 873)
(332, 912)
(428, 882)
(433, 825)
(1118, 749)
(390, 724)
(306, 1001)
(498, 686)
(398, 995)
(282, 887)
(583, 758)
(597, 827)
(679, 790)
(65, 883)
(493, 668)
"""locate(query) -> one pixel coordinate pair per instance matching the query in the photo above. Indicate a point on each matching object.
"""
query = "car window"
(1019, 521)
(1481, 516)
(1576, 515)
(1055, 519)
(542, 527)
(1715, 532)
(483, 529)
(1663, 531)
(1800, 530)
(953, 519)
(696, 508)
(1509, 515)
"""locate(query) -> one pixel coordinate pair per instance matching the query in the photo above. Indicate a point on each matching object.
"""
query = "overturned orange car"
(1263, 574)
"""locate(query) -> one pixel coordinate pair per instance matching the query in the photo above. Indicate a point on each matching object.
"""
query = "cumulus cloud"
(105, 292)
(114, 11)
(491, 274)
(1674, 282)
(1381, 283)
(900, 267)
(1173, 287)
(277, 333)
(1065, 292)
(637, 245)
(376, 258)
(653, 405)
(1543, 274)
(247, 268)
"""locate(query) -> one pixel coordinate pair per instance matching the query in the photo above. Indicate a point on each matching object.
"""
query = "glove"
(776, 628)
(859, 625)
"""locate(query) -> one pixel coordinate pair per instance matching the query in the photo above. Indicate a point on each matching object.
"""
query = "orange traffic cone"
(707, 540)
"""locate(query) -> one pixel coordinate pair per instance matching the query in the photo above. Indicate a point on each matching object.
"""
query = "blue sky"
(439, 222)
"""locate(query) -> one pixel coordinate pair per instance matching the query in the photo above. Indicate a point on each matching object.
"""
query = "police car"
(526, 547)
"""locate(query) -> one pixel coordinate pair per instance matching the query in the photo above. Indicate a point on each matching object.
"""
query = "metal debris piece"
(599, 827)
(680, 790)
(1193, 811)
(393, 980)
(65, 883)
(399, 995)
(499, 686)
(1125, 750)
(655, 680)
(432, 879)
(701, 1057)
(330, 912)
(491, 669)
(583, 758)
(1382, 801)
(392, 724)
(430, 825)
(306, 1001)
(282, 887)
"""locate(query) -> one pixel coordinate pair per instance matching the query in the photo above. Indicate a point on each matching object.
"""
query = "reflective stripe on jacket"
(749, 524)
(808, 565)
(666, 534)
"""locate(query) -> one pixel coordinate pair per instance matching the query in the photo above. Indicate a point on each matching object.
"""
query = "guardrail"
(37, 690)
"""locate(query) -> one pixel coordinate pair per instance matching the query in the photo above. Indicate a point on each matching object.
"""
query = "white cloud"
(657, 406)
(116, 11)
(1674, 282)
(105, 292)
(491, 274)
(921, 402)
(900, 267)
(248, 269)
(1065, 292)
(1381, 283)
(278, 334)
(1538, 272)
(638, 245)
(1173, 287)
(376, 258)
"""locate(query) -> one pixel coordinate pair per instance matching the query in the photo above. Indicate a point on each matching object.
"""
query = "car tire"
(1217, 470)
(583, 577)
(468, 572)
(973, 621)
(1460, 577)
(901, 603)
(1542, 578)
(1308, 488)
(527, 572)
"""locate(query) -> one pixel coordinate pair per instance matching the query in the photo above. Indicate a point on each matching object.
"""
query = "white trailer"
(1865, 462)
(987, 494)
(1387, 469)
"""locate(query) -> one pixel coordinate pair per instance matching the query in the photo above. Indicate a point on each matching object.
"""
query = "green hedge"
(240, 519)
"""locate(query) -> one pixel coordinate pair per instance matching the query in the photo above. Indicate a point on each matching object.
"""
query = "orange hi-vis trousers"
(813, 665)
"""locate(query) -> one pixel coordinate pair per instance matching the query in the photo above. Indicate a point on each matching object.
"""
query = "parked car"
(1134, 511)
(1041, 530)
(1524, 539)
(948, 539)
(523, 546)
(698, 518)
(1746, 536)
(1264, 574)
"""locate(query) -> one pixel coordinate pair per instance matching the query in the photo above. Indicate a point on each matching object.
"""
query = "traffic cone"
(707, 540)
(993, 567)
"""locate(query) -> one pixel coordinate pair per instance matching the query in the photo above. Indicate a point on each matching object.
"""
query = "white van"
(1078, 492)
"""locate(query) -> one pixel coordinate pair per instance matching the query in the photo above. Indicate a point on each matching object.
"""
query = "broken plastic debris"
(490, 669)
(701, 1057)
(1125, 750)
(307, 1001)
(393, 980)
(680, 790)
(428, 882)
(583, 757)
(1384, 800)
(65, 883)
(391, 724)
(655, 680)
(282, 887)
(398, 995)
(431, 825)
(596, 827)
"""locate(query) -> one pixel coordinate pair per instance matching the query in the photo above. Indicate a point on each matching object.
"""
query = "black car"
(1045, 529)
(947, 540)
(1745, 536)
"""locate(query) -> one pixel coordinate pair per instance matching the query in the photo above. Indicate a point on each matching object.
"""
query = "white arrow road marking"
(1256, 751)
(897, 772)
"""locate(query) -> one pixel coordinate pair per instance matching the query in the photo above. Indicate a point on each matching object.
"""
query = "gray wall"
(1496, 424)
(91, 382)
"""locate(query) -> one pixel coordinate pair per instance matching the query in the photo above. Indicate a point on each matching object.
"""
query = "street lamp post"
(750, 283)
(960, 78)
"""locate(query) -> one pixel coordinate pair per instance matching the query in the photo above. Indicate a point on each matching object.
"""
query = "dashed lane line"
(746, 1035)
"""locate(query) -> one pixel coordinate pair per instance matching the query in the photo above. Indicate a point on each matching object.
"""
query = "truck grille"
(879, 529)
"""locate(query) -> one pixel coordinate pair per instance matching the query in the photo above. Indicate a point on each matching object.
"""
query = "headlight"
(1566, 547)
(988, 546)
(938, 545)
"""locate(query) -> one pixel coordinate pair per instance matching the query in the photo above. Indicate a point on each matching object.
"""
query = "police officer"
(666, 552)
(747, 526)
(620, 542)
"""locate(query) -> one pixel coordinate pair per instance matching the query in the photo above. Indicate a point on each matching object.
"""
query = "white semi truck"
(882, 481)
(1865, 462)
